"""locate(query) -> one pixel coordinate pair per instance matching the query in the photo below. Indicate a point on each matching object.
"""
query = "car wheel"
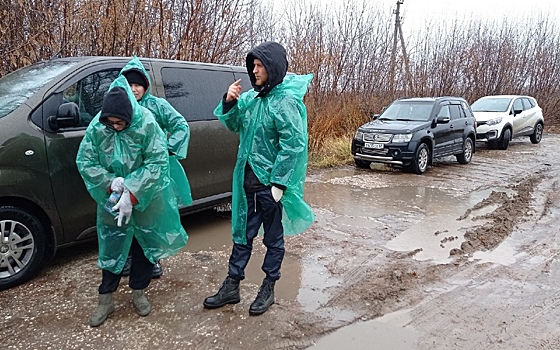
(22, 246)
(466, 156)
(421, 159)
(536, 137)
(362, 164)
(504, 140)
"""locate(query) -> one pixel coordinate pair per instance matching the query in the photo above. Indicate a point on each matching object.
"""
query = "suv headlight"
(399, 138)
(359, 135)
(494, 121)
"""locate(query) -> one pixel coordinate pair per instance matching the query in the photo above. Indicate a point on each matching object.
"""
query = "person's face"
(138, 91)
(260, 73)
(116, 123)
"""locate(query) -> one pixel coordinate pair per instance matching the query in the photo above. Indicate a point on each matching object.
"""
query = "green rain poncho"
(273, 139)
(177, 129)
(139, 155)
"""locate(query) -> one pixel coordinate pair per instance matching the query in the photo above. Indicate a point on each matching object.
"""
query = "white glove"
(277, 193)
(117, 185)
(124, 206)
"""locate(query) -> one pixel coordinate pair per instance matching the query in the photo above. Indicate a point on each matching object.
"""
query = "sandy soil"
(468, 252)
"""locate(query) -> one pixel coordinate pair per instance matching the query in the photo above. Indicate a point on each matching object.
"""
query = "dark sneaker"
(228, 294)
(158, 270)
(264, 299)
(127, 265)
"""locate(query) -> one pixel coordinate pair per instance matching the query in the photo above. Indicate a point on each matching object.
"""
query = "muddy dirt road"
(462, 257)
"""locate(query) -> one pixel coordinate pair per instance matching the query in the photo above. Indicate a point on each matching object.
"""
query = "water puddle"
(388, 332)
(212, 232)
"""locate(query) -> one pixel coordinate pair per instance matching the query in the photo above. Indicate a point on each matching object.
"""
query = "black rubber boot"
(158, 270)
(127, 265)
(264, 298)
(228, 294)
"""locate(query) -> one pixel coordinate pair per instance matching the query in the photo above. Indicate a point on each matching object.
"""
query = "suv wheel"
(536, 137)
(362, 164)
(22, 246)
(466, 156)
(421, 159)
(504, 140)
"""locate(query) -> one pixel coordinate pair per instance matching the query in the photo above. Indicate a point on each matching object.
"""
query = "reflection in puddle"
(387, 332)
(503, 254)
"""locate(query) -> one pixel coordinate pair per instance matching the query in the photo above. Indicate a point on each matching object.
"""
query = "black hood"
(273, 57)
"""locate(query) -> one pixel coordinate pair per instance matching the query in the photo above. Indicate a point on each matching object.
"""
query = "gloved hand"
(124, 206)
(277, 193)
(117, 185)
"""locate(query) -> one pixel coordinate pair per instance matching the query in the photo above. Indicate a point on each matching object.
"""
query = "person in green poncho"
(124, 152)
(173, 124)
(269, 174)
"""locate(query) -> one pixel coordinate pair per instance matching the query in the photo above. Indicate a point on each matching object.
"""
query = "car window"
(517, 104)
(491, 104)
(408, 111)
(195, 92)
(455, 111)
(89, 92)
(527, 103)
(21, 84)
(444, 112)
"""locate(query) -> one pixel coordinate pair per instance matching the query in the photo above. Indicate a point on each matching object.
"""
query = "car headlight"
(359, 135)
(494, 121)
(399, 138)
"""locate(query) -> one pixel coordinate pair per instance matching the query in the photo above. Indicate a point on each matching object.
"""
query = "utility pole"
(398, 35)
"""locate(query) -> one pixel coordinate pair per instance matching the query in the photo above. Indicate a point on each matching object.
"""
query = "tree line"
(348, 47)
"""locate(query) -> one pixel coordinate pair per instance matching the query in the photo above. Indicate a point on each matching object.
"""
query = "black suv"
(411, 132)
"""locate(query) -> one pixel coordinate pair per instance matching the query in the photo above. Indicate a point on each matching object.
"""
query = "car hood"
(394, 126)
(485, 116)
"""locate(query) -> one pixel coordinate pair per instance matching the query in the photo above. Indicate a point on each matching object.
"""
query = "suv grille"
(377, 137)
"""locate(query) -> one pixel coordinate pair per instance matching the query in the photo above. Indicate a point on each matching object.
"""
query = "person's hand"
(234, 91)
(124, 206)
(277, 193)
(117, 185)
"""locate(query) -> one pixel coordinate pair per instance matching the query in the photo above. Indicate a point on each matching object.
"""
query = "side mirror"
(517, 111)
(440, 120)
(67, 115)
(374, 116)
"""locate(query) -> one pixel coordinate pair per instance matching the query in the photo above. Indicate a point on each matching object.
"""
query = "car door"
(519, 119)
(443, 133)
(458, 124)
(195, 91)
(86, 88)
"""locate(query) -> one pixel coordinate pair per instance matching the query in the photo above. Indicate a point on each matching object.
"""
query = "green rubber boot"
(104, 309)
(140, 302)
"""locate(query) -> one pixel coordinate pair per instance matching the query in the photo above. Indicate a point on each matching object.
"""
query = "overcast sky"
(417, 12)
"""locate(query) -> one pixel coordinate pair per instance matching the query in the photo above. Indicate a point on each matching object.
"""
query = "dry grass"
(333, 152)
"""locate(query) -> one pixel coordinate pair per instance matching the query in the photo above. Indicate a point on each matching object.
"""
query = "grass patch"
(333, 152)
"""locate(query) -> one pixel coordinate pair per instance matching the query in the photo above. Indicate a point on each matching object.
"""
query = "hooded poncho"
(172, 122)
(139, 155)
(272, 124)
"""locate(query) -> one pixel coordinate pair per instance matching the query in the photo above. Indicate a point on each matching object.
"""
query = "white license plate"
(373, 145)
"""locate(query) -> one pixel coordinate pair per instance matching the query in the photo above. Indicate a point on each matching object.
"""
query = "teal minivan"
(44, 205)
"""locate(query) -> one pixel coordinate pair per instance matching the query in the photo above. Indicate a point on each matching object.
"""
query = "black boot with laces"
(264, 299)
(228, 294)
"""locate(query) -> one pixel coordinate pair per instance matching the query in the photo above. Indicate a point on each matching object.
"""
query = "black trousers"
(262, 210)
(140, 272)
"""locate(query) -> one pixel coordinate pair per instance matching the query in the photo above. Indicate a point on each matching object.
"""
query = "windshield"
(408, 111)
(21, 84)
(491, 104)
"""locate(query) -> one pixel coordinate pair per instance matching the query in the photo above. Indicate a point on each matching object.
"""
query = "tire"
(22, 254)
(466, 156)
(421, 160)
(362, 164)
(536, 137)
(504, 140)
